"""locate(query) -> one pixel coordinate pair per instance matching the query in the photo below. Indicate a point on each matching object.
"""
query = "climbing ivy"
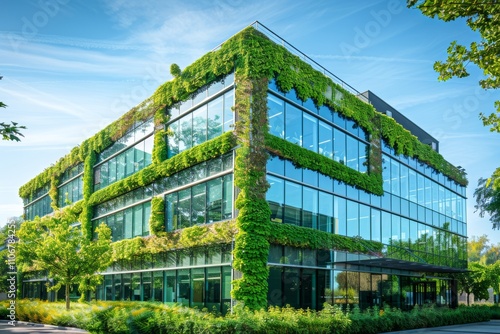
(157, 219)
(251, 248)
(305, 158)
(302, 237)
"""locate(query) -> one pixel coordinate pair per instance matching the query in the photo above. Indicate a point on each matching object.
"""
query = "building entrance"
(424, 293)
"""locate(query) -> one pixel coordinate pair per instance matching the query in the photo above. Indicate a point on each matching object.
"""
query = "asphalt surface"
(489, 327)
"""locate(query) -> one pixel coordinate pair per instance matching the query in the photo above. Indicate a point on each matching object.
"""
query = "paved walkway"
(489, 327)
(22, 327)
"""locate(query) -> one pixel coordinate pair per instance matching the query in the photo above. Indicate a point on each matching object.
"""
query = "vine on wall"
(157, 218)
(251, 248)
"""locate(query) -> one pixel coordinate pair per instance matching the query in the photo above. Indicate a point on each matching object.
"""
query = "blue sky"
(71, 67)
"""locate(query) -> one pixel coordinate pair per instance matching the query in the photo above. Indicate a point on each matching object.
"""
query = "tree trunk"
(67, 297)
(468, 299)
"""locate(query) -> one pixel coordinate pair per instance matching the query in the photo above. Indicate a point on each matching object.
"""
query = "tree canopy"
(55, 244)
(12, 130)
(488, 201)
(482, 16)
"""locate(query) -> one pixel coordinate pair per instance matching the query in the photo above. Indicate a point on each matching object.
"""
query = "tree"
(493, 272)
(482, 16)
(477, 247)
(56, 244)
(10, 131)
(488, 201)
(475, 281)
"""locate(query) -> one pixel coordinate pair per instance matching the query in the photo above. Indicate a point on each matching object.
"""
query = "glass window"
(148, 150)
(146, 216)
(275, 197)
(310, 207)
(198, 204)
(118, 232)
(403, 179)
(352, 219)
(339, 120)
(420, 189)
(325, 182)
(275, 291)
(326, 113)
(339, 146)
(276, 165)
(325, 140)
(293, 125)
(375, 225)
(405, 229)
(215, 111)
(339, 210)
(184, 132)
(213, 294)
(183, 284)
(293, 203)
(364, 221)
(352, 153)
(292, 172)
(214, 196)
(171, 211)
(395, 177)
(386, 227)
(326, 213)
(140, 158)
(173, 139)
(310, 137)
(310, 177)
(227, 206)
(184, 208)
(228, 112)
(412, 186)
(129, 222)
(362, 165)
(291, 287)
(396, 228)
(276, 116)
(137, 221)
(200, 125)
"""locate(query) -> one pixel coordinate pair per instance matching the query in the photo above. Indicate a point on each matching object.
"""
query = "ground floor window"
(208, 287)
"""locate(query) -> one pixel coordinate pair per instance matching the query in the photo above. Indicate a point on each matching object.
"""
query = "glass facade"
(207, 115)
(320, 130)
(126, 156)
(196, 278)
(71, 188)
(420, 218)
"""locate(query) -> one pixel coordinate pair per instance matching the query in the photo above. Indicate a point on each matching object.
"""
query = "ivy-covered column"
(251, 243)
(88, 188)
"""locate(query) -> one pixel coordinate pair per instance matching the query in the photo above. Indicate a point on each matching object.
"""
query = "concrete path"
(489, 327)
(22, 327)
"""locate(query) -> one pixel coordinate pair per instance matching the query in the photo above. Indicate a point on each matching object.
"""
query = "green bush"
(149, 317)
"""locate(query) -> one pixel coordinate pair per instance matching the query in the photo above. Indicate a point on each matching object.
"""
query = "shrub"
(150, 317)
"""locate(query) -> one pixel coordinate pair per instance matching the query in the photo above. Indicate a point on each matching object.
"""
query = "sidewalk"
(23, 327)
(489, 327)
